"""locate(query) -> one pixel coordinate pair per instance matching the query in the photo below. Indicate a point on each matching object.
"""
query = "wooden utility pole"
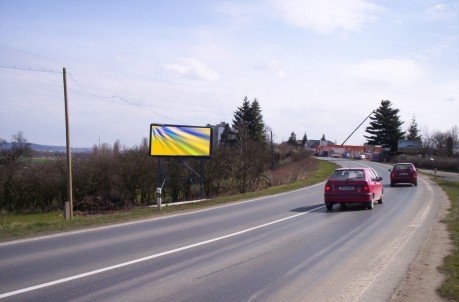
(69, 154)
(272, 151)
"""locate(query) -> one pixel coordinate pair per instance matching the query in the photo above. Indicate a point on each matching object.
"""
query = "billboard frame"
(209, 142)
(409, 146)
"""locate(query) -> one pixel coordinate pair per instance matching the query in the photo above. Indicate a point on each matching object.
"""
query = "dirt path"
(423, 279)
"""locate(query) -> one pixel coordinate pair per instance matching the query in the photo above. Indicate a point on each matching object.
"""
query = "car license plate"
(346, 188)
(403, 174)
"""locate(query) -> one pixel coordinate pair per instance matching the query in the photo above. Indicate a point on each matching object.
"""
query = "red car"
(403, 173)
(353, 185)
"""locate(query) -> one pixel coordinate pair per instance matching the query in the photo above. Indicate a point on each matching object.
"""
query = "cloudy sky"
(316, 67)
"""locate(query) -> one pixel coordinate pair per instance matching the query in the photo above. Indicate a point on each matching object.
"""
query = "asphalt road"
(285, 247)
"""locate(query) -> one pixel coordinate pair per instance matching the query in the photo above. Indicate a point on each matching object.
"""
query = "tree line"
(115, 177)
(385, 129)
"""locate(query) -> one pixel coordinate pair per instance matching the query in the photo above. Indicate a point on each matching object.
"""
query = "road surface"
(286, 247)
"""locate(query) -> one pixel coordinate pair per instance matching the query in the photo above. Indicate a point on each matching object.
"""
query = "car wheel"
(415, 183)
(392, 184)
(342, 206)
(371, 204)
(329, 206)
(380, 199)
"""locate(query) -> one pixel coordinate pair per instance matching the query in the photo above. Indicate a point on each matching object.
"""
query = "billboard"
(409, 146)
(180, 141)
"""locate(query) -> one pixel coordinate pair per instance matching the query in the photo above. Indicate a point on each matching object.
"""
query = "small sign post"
(158, 198)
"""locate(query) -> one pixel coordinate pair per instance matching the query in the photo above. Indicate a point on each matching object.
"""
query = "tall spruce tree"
(413, 131)
(228, 137)
(292, 139)
(305, 139)
(248, 121)
(384, 128)
(257, 126)
(241, 120)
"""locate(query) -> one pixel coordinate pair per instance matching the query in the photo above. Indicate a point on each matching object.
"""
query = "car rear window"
(402, 167)
(348, 174)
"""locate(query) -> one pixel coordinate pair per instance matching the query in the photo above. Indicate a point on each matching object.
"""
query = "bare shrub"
(441, 163)
(294, 171)
(97, 204)
(110, 179)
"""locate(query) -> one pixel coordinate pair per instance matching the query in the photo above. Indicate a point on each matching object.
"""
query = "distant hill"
(47, 148)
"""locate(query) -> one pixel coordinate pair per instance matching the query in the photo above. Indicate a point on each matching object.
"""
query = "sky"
(315, 67)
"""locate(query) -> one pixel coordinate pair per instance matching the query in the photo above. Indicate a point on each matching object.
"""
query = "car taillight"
(365, 188)
(327, 188)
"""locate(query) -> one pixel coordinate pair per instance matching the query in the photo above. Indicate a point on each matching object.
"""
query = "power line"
(29, 69)
(87, 91)
(124, 100)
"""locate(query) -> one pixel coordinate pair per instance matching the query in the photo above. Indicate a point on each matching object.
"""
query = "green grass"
(22, 226)
(450, 288)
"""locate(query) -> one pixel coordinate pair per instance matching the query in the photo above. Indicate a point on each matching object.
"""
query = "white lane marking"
(79, 276)
(150, 219)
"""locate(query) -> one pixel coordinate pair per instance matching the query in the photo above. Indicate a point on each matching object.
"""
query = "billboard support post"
(180, 142)
(200, 178)
(158, 185)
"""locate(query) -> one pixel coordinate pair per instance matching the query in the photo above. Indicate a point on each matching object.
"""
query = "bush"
(450, 164)
(110, 179)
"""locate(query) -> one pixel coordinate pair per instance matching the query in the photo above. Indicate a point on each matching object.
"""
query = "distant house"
(315, 144)
(311, 145)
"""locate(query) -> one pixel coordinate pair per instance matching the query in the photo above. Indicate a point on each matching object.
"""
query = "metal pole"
(158, 173)
(200, 179)
(357, 127)
(158, 185)
(69, 154)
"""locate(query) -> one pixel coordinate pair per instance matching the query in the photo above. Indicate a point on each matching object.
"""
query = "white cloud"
(273, 66)
(387, 71)
(236, 11)
(188, 67)
(442, 11)
(327, 16)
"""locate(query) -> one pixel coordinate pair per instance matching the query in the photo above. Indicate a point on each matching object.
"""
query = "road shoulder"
(423, 278)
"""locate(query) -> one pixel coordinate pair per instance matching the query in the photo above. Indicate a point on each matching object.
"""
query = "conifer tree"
(228, 137)
(305, 139)
(248, 121)
(413, 131)
(256, 126)
(292, 139)
(384, 128)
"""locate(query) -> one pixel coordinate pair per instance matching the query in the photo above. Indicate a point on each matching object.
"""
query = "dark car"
(353, 185)
(403, 173)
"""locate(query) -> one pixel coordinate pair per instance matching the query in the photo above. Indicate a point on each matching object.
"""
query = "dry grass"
(450, 288)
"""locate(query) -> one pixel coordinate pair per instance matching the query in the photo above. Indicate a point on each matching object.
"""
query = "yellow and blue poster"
(180, 141)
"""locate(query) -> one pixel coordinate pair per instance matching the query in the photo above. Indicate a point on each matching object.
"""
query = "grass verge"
(22, 226)
(450, 266)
